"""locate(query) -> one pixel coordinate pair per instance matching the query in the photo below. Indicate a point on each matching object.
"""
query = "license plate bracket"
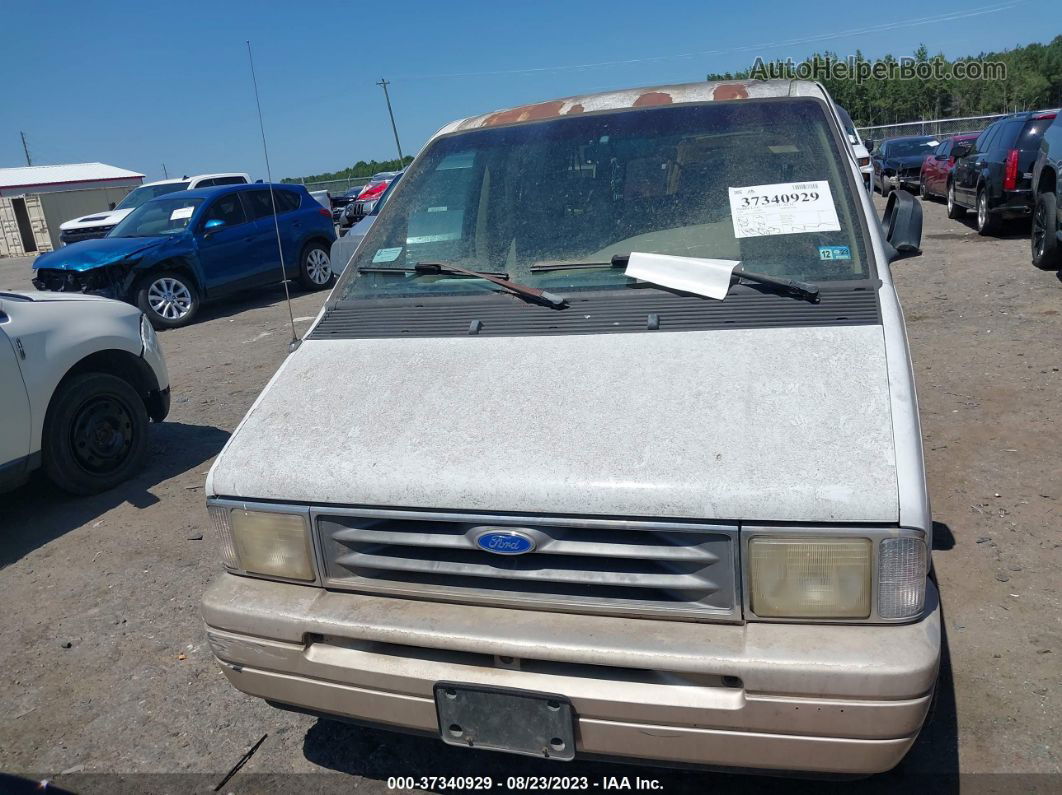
(505, 719)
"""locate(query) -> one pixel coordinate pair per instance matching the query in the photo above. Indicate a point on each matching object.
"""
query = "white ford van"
(604, 444)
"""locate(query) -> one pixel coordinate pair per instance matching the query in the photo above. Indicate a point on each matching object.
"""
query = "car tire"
(95, 433)
(168, 298)
(315, 267)
(1046, 253)
(954, 210)
(986, 223)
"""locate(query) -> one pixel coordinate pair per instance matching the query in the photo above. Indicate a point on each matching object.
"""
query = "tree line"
(360, 169)
(1033, 80)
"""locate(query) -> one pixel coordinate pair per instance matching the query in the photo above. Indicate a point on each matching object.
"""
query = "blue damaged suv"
(175, 252)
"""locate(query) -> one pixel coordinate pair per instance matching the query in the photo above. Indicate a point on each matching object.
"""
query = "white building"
(34, 200)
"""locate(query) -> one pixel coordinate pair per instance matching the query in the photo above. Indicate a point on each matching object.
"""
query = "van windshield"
(761, 181)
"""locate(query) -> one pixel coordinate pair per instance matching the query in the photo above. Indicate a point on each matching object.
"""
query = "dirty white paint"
(765, 424)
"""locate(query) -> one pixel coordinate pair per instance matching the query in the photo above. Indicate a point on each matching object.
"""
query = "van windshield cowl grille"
(668, 570)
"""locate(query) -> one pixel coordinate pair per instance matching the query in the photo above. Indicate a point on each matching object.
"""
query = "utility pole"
(384, 84)
(165, 173)
(25, 148)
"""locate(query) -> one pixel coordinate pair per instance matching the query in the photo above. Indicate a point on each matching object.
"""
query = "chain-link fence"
(336, 187)
(938, 127)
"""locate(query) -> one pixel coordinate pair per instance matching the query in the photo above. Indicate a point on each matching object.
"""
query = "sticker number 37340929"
(785, 208)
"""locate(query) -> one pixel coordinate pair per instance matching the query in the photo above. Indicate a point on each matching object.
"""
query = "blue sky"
(138, 85)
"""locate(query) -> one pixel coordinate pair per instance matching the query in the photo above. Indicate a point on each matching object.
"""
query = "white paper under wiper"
(707, 277)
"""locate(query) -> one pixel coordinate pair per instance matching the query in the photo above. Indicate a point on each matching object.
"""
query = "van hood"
(106, 218)
(785, 424)
(89, 254)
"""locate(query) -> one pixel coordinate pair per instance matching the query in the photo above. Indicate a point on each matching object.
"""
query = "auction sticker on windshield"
(786, 208)
(387, 254)
(182, 212)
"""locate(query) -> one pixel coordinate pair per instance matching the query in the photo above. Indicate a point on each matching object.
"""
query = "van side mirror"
(902, 226)
(110, 206)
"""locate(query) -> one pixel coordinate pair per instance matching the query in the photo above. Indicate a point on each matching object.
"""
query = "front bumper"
(909, 181)
(96, 281)
(833, 699)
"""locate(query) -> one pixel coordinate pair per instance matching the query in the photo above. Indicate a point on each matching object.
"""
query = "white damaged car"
(80, 378)
(604, 444)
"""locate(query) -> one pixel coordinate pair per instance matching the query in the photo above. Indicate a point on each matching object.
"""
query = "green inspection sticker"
(386, 254)
(835, 252)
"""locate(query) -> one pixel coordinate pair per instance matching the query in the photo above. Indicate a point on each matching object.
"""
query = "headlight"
(819, 578)
(877, 577)
(269, 543)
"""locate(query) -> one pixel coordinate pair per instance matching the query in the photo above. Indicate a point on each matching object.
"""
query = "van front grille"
(661, 569)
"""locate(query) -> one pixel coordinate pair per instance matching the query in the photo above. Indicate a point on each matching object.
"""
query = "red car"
(935, 167)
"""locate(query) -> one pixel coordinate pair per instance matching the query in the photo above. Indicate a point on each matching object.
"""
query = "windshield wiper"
(500, 279)
(618, 261)
(806, 289)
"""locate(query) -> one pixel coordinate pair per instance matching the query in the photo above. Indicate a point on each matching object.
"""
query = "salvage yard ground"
(106, 668)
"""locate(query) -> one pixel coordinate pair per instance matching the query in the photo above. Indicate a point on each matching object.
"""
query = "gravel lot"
(106, 668)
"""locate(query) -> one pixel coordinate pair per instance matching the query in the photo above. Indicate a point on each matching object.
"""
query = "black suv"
(995, 177)
(1047, 224)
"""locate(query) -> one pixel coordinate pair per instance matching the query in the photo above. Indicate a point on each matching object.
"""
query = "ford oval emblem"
(505, 542)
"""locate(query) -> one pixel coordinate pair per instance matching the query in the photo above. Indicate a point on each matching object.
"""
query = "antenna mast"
(25, 148)
(272, 198)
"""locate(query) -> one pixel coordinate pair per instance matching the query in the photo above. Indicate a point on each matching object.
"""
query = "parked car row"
(366, 199)
(1007, 171)
(339, 203)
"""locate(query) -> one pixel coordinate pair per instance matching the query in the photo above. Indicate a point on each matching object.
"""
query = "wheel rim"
(1039, 230)
(318, 266)
(982, 211)
(169, 298)
(102, 434)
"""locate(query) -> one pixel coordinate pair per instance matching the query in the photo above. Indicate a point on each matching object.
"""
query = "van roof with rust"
(640, 98)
